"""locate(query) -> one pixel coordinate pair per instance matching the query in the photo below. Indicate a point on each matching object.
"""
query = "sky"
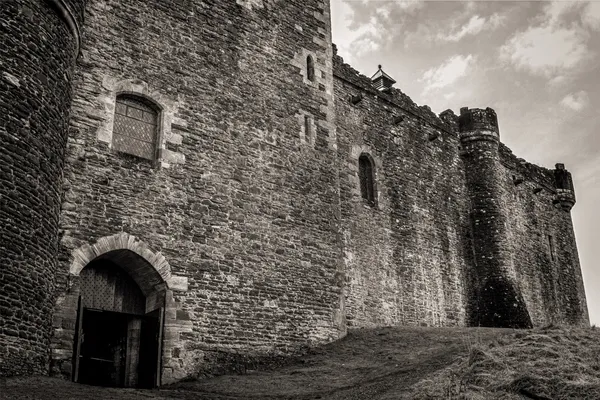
(536, 63)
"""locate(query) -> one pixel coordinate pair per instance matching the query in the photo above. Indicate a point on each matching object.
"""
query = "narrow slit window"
(310, 68)
(135, 127)
(551, 246)
(308, 128)
(366, 177)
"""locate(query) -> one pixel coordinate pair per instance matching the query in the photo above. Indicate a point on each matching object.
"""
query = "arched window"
(310, 68)
(367, 178)
(135, 128)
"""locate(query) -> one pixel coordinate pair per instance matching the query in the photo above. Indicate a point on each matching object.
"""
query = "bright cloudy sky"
(536, 63)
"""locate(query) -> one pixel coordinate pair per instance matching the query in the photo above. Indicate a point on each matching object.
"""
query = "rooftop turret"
(565, 193)
(381, 80)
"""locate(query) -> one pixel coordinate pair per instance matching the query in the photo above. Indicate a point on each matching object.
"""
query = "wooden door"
(151, 349)
(78, 339)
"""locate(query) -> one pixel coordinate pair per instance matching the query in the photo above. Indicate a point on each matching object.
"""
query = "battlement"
(391, 95)
(478, 124)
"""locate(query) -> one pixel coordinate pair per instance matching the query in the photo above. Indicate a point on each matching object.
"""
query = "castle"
(185, 182)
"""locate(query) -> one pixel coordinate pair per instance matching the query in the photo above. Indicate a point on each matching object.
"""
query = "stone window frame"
(310, 68)
(379, 188)
(303, 117)
(113, 87)
(551, 244)
(300, 61)
(369, 182)
(156, 108)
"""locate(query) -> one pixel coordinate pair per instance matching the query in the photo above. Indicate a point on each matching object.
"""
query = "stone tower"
(39, 43)
(497, 302)
(239, 181)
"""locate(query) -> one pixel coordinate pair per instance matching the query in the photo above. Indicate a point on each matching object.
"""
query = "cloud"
(450, 95)
(558, 81)
(405, 5)
(447, 73)
(545, 51)
(364, 26)
(576, 101)
(554, 45)
(364, 44)
(591, 15)
(474, 26)
(556, 10)
(353, 40)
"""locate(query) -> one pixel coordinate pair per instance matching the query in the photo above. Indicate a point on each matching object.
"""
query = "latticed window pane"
(365, 175)
(135, 128)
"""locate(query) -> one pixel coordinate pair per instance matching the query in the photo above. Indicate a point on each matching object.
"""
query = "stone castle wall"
(250, 222)
(238, 201)
(406, 258)
(38, 46)
(451, 212)
(542, 244)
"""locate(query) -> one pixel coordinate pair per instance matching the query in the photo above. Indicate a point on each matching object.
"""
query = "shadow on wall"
(501, 306)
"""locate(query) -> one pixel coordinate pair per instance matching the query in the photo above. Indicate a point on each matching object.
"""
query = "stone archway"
(148, 269)
(158, 271)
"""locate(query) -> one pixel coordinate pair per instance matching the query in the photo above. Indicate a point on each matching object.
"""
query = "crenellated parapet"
(380, 87)
(476, 124)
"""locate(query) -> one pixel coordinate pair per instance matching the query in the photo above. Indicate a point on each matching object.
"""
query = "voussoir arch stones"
(148, 268)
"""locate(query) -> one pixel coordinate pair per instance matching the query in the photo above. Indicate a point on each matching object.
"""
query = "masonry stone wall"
(460, 233)
(249, 228)
(37, 54)
(237, 202)
(406, 257)
(542, 244)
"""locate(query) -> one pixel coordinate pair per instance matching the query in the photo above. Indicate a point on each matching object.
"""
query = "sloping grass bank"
(547, 363)
(389, 363)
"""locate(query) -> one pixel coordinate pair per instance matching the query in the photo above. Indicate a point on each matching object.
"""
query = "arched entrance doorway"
(161, 290)
(119, 322)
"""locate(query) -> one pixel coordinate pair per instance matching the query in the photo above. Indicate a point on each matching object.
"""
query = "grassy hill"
(548, 363)
(392, 363)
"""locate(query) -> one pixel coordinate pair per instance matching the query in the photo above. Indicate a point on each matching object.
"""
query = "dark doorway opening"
(103, 349)
(117, 344)
(150, 344)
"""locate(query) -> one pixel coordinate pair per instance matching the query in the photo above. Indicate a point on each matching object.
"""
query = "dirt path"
(367, 364)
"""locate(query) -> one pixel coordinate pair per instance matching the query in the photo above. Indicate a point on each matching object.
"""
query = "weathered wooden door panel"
(78, 339)
(151, 349)
(105, 286)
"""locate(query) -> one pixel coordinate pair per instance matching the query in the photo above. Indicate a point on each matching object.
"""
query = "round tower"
(39, 44)
(496, 300)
